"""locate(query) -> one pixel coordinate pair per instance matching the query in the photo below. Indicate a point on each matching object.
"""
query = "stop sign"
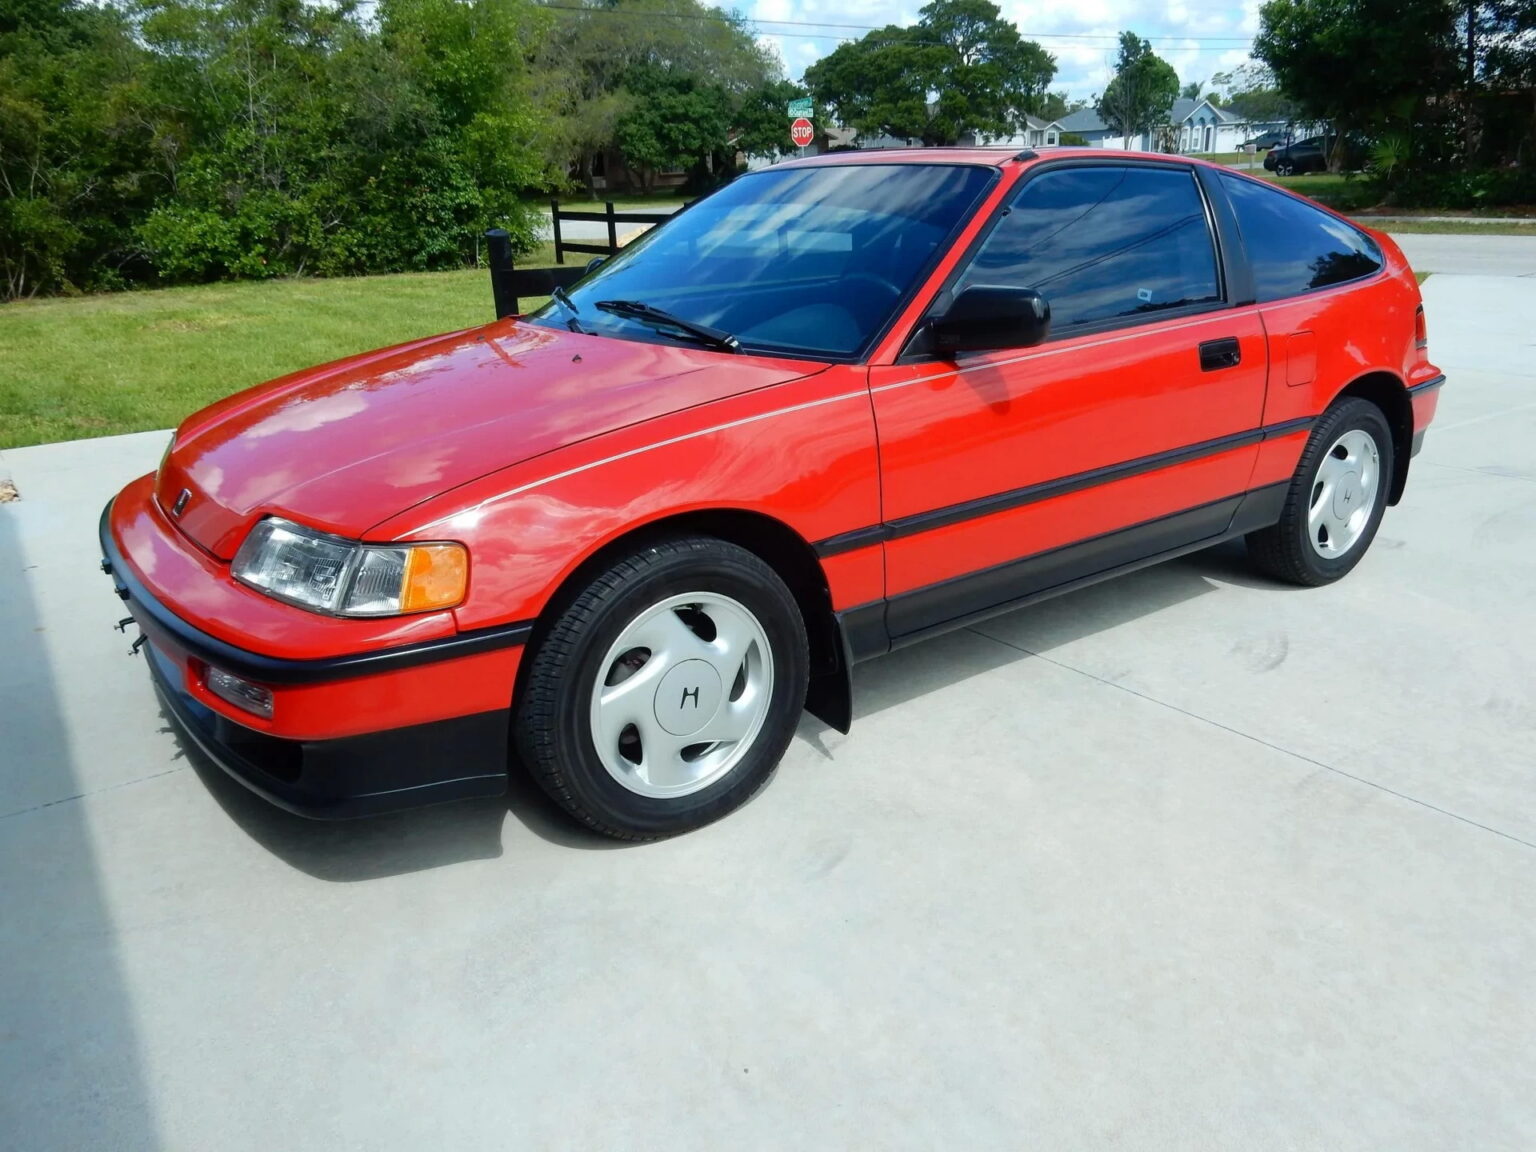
(801, 132)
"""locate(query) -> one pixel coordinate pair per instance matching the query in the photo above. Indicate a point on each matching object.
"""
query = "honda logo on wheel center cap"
(687, 697)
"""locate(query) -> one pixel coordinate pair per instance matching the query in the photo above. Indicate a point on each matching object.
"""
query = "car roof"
(991, 157)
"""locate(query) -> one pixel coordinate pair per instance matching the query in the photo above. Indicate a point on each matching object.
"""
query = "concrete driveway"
(1186, 860)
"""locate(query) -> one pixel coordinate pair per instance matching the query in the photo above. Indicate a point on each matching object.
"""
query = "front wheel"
(665, 695)
(1335, 501)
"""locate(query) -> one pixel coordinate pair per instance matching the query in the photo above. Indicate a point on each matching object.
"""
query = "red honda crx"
(840, 405)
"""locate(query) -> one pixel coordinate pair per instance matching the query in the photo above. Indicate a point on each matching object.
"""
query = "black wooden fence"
(607, 216)
(509, 282)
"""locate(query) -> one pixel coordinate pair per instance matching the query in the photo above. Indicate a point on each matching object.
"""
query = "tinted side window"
(1104, 243)
(1294, 247)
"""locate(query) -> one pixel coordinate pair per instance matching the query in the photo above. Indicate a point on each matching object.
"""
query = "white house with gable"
(1196, 125)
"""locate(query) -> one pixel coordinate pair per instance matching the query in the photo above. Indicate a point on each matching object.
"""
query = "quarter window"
(1104, 244)
(1294, 248)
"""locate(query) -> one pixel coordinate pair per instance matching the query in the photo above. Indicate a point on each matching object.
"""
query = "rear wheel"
(1284, 168)
(665, 695)
(1335, 501)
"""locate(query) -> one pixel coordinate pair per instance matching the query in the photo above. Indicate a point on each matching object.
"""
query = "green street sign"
(798, 108)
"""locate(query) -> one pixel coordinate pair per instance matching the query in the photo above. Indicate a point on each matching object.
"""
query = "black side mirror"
(594, 264)
(985, 317)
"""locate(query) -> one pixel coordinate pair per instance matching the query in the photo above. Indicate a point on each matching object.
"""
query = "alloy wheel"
(1343, 494)
(681, 694)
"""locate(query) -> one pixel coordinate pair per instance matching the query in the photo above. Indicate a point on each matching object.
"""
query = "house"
(1194, 126)
(1036, 133)
(1203, 127)
(1085, 122)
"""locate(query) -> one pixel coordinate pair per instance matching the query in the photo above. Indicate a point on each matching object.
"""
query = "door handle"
(1218, 354)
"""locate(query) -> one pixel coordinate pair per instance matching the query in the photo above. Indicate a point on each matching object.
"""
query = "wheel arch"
(1389, 394)
(829, 695)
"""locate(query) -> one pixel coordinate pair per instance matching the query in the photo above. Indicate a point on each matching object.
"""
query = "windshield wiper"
(648, 314)
(563, 298)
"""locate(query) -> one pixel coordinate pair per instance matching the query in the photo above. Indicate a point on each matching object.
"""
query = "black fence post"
(554, 214)
(499, 255)
(613, 230)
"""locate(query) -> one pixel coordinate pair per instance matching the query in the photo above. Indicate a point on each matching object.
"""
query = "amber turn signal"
(436, 576)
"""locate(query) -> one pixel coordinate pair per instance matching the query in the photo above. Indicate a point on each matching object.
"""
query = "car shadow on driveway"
(393, 844)
(70, 1055)
(909, 674)
(345, 851)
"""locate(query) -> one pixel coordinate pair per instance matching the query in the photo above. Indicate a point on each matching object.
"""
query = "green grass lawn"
(132, 361)
(1344, 192)
(1241, 159)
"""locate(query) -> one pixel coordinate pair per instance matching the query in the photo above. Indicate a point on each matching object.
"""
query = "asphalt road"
(1186, 860)
(1470, 255)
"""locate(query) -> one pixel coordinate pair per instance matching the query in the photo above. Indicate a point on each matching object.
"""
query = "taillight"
(1420, 332)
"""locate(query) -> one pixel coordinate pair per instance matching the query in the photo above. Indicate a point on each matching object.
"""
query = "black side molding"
(155, 616)
(1018, 497)
(876, 628)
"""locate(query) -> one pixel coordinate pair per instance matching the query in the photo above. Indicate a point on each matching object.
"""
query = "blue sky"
(1198, 37)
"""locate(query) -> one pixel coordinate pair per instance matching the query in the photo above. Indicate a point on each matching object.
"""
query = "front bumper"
(353, 776)
(351, 735)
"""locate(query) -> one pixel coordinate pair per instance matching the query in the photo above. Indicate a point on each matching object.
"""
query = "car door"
(1129, 432)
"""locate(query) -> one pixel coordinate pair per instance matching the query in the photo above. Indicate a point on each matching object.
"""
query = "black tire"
(1285, 550)
(1285, 168)
(552, 727)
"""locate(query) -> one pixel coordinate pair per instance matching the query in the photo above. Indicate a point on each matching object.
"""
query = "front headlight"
(329, 574)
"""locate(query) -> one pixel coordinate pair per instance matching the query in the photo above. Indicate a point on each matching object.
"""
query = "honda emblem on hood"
(181, 502)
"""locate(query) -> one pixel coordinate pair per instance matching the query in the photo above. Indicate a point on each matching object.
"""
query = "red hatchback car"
(840, 405)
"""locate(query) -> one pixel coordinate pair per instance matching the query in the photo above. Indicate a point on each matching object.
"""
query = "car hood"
(347, 445)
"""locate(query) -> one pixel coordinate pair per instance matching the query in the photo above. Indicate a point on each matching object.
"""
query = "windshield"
(796, 261)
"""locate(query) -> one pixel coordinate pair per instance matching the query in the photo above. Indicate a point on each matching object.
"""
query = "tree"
(582, 67)
(78, 159)
(1252, 92)
(1362, 64)
(1055, 105)
(1502, 37)
(677, 121)
(1141, 94)
(1191, 91)
(318, 142)
(960, 69)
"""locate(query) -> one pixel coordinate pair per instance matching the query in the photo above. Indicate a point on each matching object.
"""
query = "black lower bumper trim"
(355, 776)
